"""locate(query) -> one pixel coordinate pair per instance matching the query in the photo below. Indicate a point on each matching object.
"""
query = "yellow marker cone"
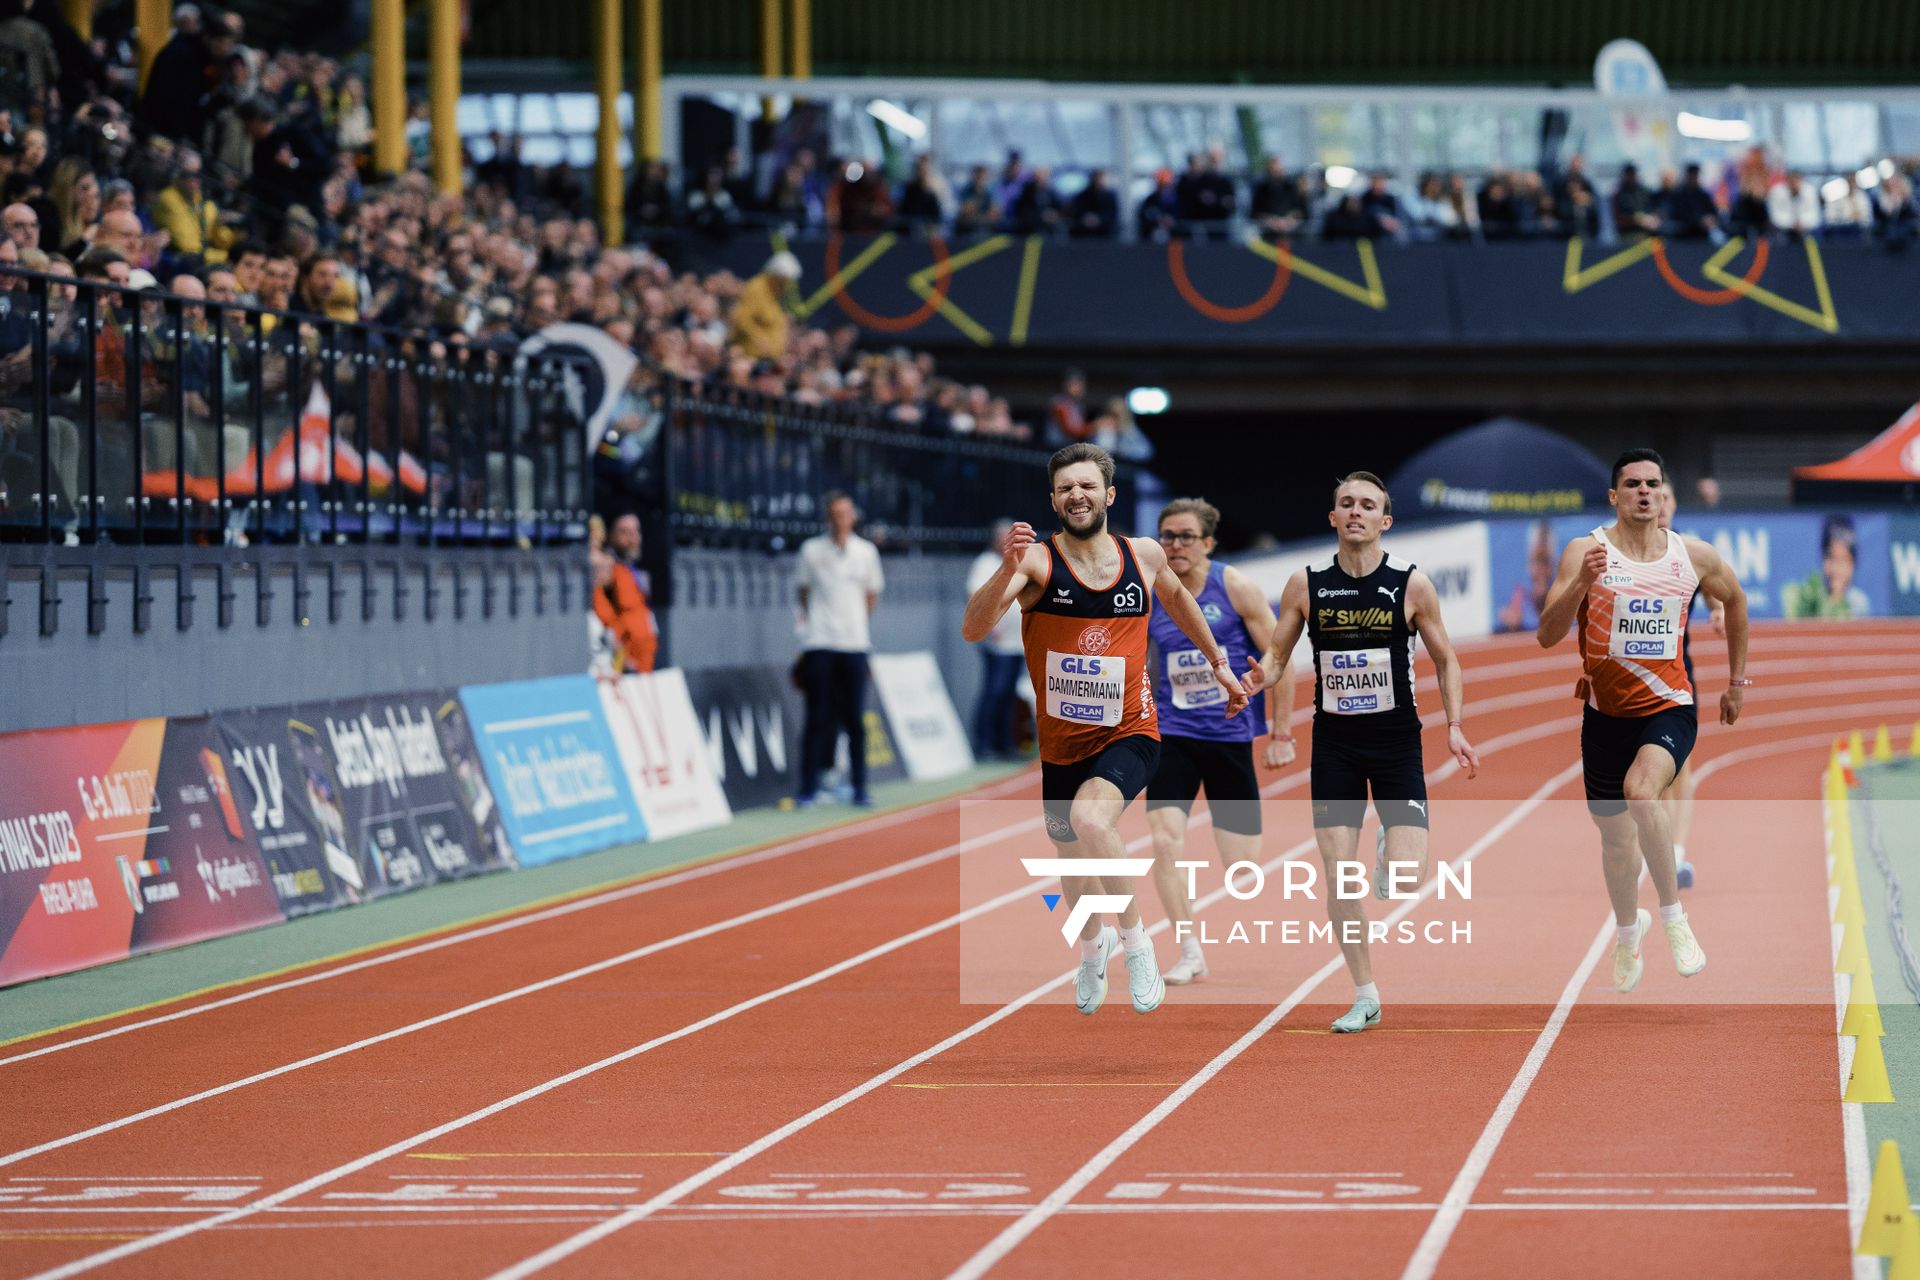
(1853, 952)
(1833, 756)
(1849, 909)
(1906, 1252)
(1889, 1211)
(1882, 744)
(1856, 749)
(1913, 743)
(1840, 847)
(1868, 1081)
(1863, 1016)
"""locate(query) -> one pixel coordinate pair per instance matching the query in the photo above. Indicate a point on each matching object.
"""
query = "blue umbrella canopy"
(1502, 467)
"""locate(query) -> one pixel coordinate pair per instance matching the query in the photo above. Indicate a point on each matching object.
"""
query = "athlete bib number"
(1190, 676)
(1086, 690)
(1646, 627)
(1356, 682)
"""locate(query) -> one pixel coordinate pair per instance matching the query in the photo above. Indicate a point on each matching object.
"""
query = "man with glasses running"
(1200, 749)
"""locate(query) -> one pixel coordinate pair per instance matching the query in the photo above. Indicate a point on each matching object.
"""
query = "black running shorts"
(1125, 762)
(1345, 770)
(1608, 745)
(1224, 769)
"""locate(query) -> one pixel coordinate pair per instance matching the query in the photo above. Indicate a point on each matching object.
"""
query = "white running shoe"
(1627, 964)
(1688, 958)
(1090, 984)
(1143, 980)
(1380, 885)
(1191, 967)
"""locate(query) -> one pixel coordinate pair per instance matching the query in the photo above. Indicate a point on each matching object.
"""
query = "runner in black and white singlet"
(1361, 609)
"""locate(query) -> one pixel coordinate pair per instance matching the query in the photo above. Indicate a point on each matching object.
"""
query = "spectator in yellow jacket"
(192, 219)
(760, 316)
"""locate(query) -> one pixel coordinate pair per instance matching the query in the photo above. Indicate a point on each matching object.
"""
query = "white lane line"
(1433, 1242)
(719, 865)
(1273, 1175)
(1009, 1239)
(1705, 1174)
(84, 1264)
(573, 1244)
(599, 966)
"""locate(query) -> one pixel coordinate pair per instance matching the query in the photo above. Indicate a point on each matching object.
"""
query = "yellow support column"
(389, 89)
(153, 24)
(646, 80)
(443, 78)
(802, 40)
(606, 139)
(79, 15)
(769, 50)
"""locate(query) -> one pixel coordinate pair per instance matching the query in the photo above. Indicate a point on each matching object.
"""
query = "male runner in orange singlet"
(1085, 597)
(1630, 584)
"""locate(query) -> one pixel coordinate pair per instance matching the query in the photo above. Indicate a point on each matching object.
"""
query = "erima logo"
(1090, 903)
(1063, 593)
(1327, 593)
(1392, 594)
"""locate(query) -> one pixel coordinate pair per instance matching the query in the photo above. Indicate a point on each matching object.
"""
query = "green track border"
(70, 1001)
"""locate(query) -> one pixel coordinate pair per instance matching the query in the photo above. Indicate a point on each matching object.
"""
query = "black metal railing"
(740, 468)
(141, 416)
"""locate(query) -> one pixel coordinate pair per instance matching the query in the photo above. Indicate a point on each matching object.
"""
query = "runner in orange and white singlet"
(1629, 587)
(1086, 595)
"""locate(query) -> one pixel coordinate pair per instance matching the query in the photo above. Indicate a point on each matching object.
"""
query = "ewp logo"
(1089, 904)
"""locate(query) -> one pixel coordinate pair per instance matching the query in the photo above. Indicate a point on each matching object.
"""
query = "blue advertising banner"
(1903, 564)
(1792, 564)
(553, 766)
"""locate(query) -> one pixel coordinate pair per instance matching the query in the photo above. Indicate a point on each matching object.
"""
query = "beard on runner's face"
(1094, 522)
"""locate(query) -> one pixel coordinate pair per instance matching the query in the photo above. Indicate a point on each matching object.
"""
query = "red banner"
(117, 839)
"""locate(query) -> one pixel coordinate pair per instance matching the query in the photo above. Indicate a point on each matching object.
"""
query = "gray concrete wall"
(286, 650)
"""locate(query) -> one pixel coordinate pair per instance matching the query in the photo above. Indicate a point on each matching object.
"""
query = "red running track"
(766, 1066)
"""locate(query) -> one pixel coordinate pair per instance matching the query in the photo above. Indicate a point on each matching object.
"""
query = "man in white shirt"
(1004, 657)
(839, 582)
(1793, 206)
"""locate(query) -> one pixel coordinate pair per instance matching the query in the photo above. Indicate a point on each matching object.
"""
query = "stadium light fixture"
(1709, 129)
(1341, 176)
(1868, 178)
(897, 117)
(1145, 401)
(1833, 190)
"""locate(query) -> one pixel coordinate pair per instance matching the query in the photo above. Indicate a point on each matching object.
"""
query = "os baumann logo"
(1247, 881)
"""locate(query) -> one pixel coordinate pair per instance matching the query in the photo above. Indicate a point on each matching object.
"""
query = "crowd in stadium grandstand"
(244, 177)
(1754, 197)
